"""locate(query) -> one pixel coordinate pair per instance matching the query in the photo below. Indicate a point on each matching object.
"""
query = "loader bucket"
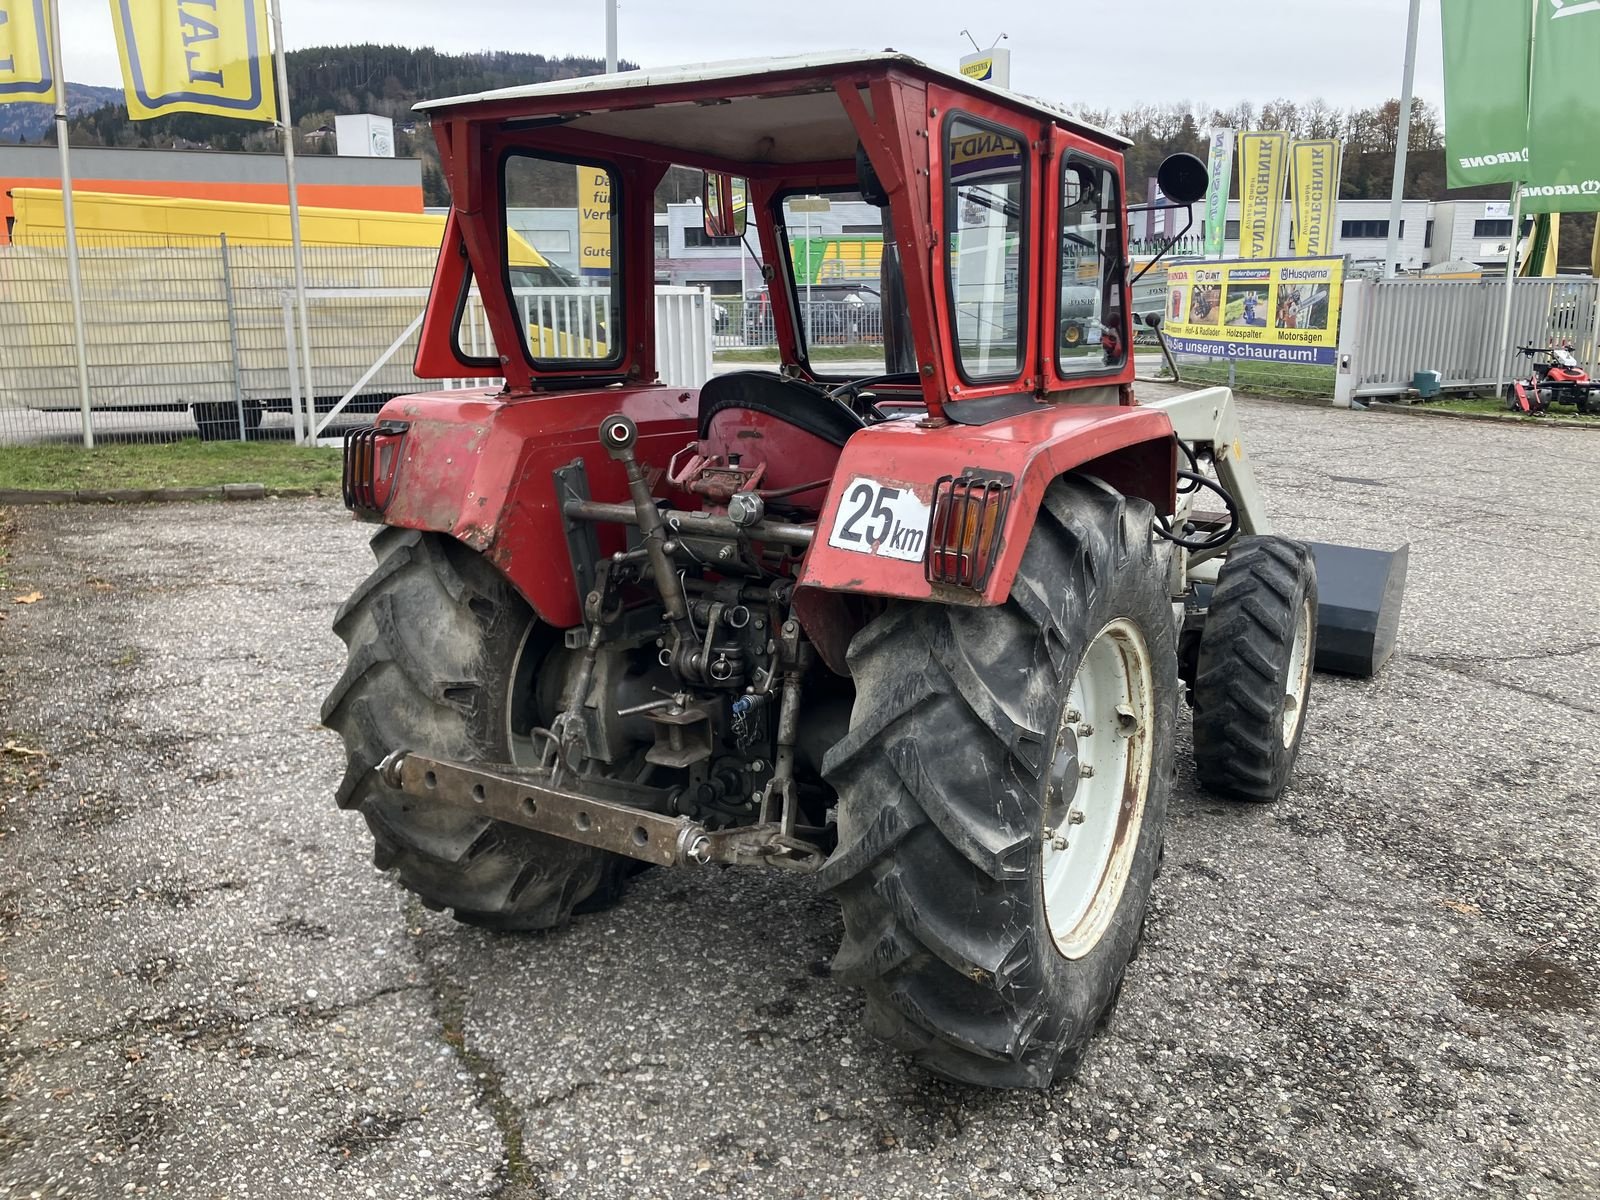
(1358, 614)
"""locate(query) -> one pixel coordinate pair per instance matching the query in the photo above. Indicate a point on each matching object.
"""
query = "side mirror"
(725, 207)
(1152, 320)
(1079, 186)
(1183, 179)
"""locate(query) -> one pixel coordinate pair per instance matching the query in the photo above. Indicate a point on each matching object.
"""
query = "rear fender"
(480, 468)
(1130, 448)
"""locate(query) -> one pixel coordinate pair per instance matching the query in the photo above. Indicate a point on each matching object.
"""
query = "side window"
(1090, 332)
(986, 192)
(567, 294)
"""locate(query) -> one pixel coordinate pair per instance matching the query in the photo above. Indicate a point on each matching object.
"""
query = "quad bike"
(920, 634)
(1557, 379)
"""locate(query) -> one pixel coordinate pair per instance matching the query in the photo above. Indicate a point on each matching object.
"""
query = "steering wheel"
(848, 393)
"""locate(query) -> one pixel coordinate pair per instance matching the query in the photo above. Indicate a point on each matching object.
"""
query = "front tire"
(1253, 672)
(443, 659)
(966, 750)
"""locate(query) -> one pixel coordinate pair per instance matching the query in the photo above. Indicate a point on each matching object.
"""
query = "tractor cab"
(999, 279)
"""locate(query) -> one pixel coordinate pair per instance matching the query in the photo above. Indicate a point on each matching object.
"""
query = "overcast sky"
(1110, 54)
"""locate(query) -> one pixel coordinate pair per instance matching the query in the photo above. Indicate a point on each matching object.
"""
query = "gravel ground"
(1383, 986)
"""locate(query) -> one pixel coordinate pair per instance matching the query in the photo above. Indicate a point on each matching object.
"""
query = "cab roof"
(767, 110)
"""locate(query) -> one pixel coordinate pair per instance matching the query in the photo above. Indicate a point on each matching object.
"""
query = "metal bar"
(693, 524)
(286, 120)
(535, 804)
(294, 372)
(233, 336)
(74, 275)
(1403, 143)
(355, 388)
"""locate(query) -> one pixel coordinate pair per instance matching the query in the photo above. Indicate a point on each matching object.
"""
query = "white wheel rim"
(1095, 798)
(1297, 683)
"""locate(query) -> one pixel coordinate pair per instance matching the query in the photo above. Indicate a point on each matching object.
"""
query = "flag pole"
(74, 274)
(1402, 144)
(1501, 384)
(286, 120)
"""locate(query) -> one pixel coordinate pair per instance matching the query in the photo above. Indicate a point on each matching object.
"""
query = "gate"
(1393, 328)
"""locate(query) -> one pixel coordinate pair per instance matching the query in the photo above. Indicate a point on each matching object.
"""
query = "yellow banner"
(1263, 171)
(1314, 183)
(1279, 310)
(203, 56)
(26, 72)
(594, 221)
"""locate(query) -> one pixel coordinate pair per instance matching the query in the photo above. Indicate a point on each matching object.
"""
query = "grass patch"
(187, 463)
(1488, 404)
(819, 354)
(1262, 378)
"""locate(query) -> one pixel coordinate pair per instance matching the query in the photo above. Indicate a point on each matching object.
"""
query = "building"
(370, 184)
(1431, 231)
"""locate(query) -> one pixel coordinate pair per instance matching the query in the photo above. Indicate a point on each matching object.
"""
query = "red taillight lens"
(371, 458)
(964, 535)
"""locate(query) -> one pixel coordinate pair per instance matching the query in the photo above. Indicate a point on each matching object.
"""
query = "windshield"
(835, 262)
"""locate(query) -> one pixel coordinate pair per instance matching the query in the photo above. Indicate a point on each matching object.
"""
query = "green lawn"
(1263, 378)
(188, 463)
(1488, 404)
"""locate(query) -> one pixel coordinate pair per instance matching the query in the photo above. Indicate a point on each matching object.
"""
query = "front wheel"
(1002, 799)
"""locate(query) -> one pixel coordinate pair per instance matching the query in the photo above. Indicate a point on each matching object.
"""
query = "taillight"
(371, 458)
(964, 535)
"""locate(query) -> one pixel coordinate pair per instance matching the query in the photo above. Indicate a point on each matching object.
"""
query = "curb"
(226, 491)
(1411, 410)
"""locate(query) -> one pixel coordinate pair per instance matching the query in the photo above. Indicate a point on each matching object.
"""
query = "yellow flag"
(202, 56)
(26, 72)
(1314, 185)
(1263, 170)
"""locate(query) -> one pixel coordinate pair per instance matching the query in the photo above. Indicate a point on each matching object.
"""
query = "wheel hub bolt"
(1086, 771)
(1085, 730)
(1059, 843)
(1075, 816)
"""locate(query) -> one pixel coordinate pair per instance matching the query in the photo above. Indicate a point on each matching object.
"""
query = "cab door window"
(1090, 319)
(986, 197)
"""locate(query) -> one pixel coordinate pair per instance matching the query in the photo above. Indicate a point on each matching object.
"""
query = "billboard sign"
(1265, 310)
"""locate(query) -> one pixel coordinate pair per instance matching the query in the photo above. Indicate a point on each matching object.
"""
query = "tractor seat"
(801, 405)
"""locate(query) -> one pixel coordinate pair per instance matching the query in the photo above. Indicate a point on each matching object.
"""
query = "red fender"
(1131, 448)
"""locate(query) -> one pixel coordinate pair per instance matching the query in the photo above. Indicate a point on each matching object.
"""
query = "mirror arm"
(1162, 253)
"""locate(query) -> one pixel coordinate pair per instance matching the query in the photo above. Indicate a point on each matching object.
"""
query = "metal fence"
(1393, 328)
(197, 336)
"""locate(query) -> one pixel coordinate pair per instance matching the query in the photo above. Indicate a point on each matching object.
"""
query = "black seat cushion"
(799, 404)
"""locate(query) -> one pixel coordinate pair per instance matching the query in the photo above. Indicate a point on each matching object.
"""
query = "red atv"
(914, 618)
(1557, 379)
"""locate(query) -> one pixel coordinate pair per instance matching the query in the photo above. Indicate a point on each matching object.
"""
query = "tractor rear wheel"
(444, 658)
(1002, 799)
(1253, 673)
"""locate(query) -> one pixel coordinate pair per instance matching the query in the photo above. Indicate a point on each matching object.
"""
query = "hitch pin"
(678, 701)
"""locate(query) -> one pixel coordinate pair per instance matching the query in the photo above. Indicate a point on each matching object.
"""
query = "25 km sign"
(887, 520)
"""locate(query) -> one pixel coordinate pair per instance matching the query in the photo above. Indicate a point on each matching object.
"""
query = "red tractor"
(917, 624)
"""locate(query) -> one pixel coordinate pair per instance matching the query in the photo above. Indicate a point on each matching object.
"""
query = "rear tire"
(963, 749)
(1253, 673)
(443, 659)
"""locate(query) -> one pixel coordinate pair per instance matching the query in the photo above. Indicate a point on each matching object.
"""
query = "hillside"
(30, 122)
(325, 81)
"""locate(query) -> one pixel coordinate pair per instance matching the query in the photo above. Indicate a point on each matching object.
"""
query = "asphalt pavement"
(1384, 986)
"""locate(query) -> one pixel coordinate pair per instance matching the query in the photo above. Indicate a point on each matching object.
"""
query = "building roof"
(595, 100)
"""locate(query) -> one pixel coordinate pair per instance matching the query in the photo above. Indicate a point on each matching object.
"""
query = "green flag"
(1564, 109)
(1486, 89)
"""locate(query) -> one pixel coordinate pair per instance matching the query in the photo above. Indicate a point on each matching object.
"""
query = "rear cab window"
(986, 219)
(1089, 321)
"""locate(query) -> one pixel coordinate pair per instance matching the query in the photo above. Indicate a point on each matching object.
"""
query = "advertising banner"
(1563, 172)
(1314, 184)
(594, 222)
(1263, 171)
(1486, 46)
(1221, 169)
(25, 69)
(1265, 310)
(201, 56)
